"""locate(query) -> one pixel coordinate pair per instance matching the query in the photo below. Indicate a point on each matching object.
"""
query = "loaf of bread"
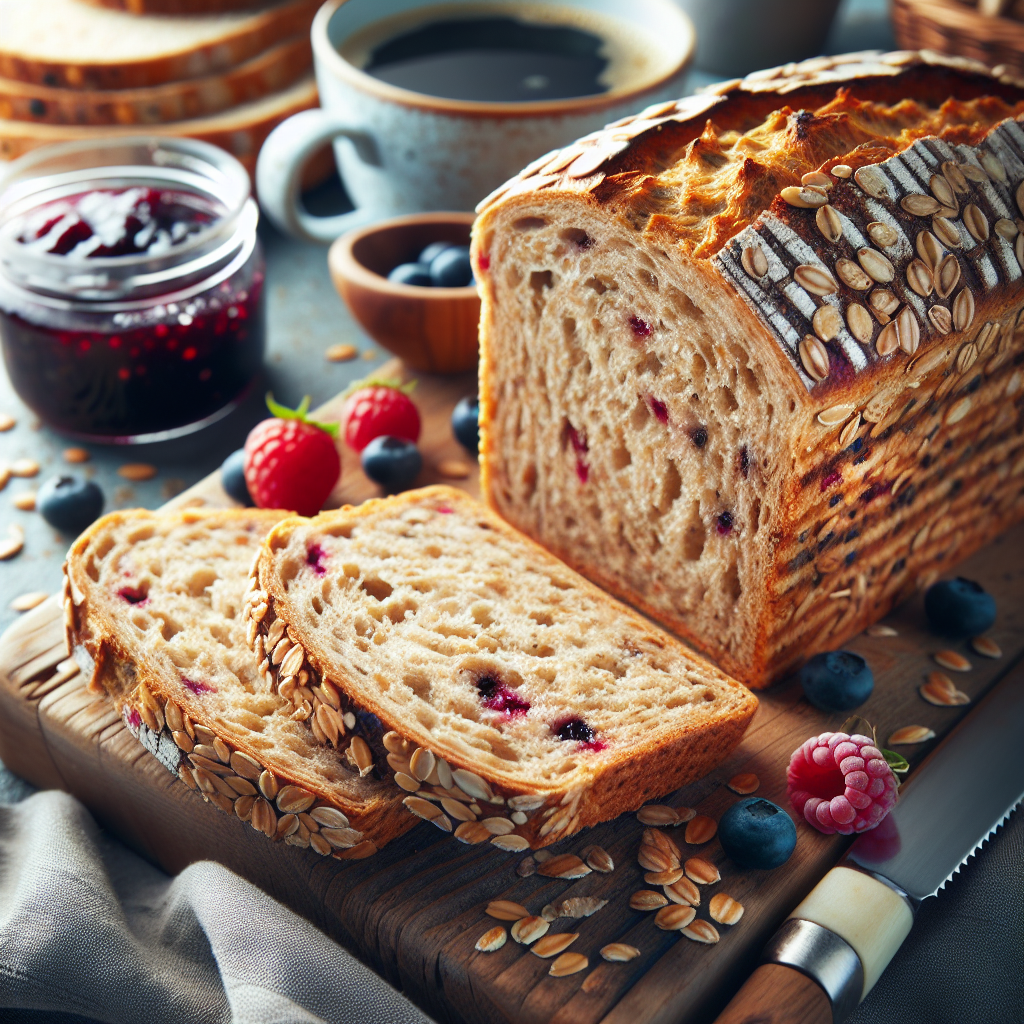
(510, 699)
(153, 606)
(752, 360)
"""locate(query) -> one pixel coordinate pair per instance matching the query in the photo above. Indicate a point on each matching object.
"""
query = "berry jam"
(131, 301)
(575, 729)
(496, 696)
(116, 222)
(315, 558)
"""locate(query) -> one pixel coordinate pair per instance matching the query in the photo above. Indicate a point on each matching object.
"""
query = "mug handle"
(279, 168)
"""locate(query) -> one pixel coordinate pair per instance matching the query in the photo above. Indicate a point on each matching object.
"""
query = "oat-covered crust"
(752, 360)
(152, 605)
(509, 698)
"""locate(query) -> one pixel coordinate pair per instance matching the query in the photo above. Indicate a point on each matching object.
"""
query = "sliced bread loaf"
(510, 698)
(80, 46)
(271, 71)
(153, 606)
(752, 361)
(240, 130)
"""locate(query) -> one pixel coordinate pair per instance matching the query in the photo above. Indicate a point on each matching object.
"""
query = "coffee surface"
(493, 59)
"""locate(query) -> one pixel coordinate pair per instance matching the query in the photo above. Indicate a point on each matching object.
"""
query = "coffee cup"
(399, 150)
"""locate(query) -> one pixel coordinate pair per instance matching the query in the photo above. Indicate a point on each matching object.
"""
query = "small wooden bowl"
(432, 330)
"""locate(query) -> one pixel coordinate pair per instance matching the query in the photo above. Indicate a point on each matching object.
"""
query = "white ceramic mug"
(400, 151)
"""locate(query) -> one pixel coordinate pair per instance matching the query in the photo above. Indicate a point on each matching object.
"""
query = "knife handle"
(776, 994)
(842, 936)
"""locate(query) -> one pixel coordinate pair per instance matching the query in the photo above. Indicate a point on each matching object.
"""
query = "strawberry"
(290, 461)
(376, 407)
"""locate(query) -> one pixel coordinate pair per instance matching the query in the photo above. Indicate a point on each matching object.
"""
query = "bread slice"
(271, 71)
(80, 46)
(751, 361)
(153, 605)
(240, 130)
(487, 679)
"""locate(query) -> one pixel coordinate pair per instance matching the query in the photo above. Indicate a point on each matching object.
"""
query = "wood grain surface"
(416, 909)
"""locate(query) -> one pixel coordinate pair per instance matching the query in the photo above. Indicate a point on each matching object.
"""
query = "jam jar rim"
(188, 164)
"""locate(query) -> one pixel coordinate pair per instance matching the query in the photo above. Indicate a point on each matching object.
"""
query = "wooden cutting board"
(416, 909)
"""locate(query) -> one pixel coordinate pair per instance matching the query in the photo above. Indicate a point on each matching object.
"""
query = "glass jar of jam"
(131, 286)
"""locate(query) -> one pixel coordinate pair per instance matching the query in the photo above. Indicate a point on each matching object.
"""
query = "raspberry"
(379, 408)
(841, 783)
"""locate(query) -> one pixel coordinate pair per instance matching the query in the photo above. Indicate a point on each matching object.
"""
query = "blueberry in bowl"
(392, 462)
(837, 680)
(451, 268)
(959, 608)
(755, 833)
(416, 274)
(69, 503)
(466, 423)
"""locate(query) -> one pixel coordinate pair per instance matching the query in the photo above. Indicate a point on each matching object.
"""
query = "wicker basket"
(952, 27)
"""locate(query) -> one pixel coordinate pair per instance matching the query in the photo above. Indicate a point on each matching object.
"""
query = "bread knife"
(832, 949)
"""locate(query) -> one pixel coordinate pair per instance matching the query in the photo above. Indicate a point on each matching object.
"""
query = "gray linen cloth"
(89, 929)
(91, 932)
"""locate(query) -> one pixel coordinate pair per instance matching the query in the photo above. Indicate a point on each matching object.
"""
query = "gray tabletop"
(961, 963)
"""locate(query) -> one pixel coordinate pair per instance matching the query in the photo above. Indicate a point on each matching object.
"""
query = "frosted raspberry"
(841, 783)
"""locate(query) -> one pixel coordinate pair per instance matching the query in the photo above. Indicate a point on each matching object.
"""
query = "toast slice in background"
(271, 71)
(485, 678)
(153, 605)
(75, 45)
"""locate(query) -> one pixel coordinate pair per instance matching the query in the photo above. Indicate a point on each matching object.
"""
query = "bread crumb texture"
(437, 621)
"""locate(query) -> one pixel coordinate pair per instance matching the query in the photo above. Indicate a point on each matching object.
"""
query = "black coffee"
(497, 60)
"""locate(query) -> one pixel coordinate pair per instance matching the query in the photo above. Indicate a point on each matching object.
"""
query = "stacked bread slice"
(501, 694)
(73, 70)
(153, 606)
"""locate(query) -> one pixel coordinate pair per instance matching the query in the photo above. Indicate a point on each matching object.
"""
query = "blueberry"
(959, 608)
(232, 477)
(837, 680)
(432, 251)
(755, 833)
(69, 503)
(391, 462)
(451, 267)
(411, 273)
(466, 423)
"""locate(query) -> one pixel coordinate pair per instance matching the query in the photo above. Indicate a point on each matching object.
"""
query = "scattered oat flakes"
(702, 871)
(136, 471)
(674, 917)
(370, 353)
(647, 899)
(506, 910)
(619, 952)
(172, 487)
(701, 829)
(14, 543)
(454, 469)
(744, 784)
(552, 945)
(5, 476)
(986, 647)
(701, 931)
(881, 629)
(939, 690)
(26, 602)
(598, 858)
(492, 940)
(911, 734)
(953, 660)
(76, 455)
(724, 909)
(341, 353)
(580, 906)
(529, 929)
(24, 467)
(568, 963)
(7, 421)
(657, 815)
(25, 500)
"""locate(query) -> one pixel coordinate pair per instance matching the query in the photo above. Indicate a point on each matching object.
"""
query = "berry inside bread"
(481, 670)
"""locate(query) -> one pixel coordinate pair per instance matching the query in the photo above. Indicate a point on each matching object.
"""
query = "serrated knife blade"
(832, 949)
(955, 799)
